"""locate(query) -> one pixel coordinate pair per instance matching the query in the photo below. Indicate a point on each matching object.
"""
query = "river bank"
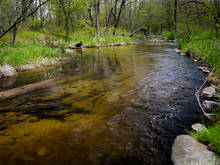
(203, 48)
(21, 57)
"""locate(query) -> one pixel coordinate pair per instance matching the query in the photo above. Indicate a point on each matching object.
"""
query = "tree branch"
(22, 17)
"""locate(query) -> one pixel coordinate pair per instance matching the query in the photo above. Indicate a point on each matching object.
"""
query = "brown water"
(121, 106)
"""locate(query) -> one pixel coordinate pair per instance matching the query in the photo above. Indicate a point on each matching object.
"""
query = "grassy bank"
(210, 137)
(204, 46)
(21, 54)
(25, 52)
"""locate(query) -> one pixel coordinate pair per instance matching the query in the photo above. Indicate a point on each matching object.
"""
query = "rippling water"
(113, 106)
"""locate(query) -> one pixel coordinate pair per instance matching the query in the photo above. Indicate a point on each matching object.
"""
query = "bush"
(169, 35)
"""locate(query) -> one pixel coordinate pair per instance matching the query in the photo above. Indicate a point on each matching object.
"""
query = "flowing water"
(111, 106)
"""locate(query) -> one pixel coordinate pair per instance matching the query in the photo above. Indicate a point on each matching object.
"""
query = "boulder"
(204, 69)
(187, 151)
(98, 45)
(177, 50)
(86, 46)
(56, 44)
(76, 45)
(116, 44)
(209, 91)
(123, 43)
(71, 46)
(7, 71)
(69, 51)
(183, 54)
(209, 105)
(198, 127)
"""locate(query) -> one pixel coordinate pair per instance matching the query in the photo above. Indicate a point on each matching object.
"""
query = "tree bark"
(97, 9)
(119, 16)
(140, 29)
(175, 15)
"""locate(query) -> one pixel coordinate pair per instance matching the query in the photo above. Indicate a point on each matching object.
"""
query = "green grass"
(169, 35)
(26, 52)
(211, 137)
(20, 54)
(204, 46)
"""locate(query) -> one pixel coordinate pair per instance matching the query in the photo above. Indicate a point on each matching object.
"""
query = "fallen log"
(139, 29)
(26, 88)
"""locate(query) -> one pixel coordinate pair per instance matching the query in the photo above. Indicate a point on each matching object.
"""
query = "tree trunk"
(34, 23)
(15, 29)
(140, 29)
(175, 15)
(67, 28)
(97, 6)
(119, 15)
(90, 16)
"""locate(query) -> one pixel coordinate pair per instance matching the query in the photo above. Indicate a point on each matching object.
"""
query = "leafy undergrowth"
(20, 54)
(211, 137)
(169, 35)
(203, 45)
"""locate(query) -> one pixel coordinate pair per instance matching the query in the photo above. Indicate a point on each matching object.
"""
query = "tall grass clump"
(22, 54)
(210, 137)
(204, 46)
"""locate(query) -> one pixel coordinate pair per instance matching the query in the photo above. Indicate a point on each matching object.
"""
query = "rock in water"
(123, 43)
(71, 46)
(198, 127)
(209, 91)
(187, 151)
(177, 50)
(7, 71)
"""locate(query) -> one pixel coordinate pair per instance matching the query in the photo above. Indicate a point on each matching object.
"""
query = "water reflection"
(112, 106)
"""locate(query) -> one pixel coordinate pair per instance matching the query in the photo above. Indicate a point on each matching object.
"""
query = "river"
(112, 106)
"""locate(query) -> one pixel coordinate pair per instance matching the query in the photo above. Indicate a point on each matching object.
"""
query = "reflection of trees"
(105, 65)
(95, 61)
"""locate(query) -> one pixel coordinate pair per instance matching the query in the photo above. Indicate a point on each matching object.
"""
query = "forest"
(36, 33)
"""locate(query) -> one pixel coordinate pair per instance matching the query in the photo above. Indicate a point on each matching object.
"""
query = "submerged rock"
(7, 71)
(209, 91)
(187, 151)
(198, 127)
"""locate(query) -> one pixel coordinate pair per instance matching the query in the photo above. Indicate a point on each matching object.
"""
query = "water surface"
(113, 106)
